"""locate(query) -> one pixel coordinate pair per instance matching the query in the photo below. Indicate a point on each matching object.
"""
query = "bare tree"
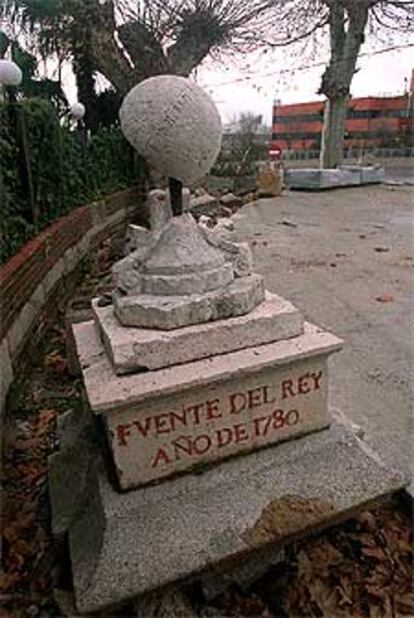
(129, 40)
(347, 22)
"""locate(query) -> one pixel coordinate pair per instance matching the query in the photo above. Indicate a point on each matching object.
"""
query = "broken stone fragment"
(160, 212)
(230, 200)
(239, 254)
(137, 237)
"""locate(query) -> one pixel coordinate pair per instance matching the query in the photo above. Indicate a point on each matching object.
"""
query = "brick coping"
(30, 280)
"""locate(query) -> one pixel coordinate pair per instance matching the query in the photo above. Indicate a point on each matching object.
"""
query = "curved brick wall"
(44, 267)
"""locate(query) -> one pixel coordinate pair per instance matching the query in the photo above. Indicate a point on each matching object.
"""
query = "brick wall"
(32, 279)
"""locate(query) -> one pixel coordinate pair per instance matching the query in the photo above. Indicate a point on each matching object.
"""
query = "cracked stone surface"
(181, 274)
(174, 124)
(133, 349)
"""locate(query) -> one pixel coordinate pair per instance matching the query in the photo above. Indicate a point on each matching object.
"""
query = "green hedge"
(67, 170)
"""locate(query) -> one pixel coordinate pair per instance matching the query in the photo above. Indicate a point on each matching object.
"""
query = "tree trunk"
(347, 22)
(333, 132)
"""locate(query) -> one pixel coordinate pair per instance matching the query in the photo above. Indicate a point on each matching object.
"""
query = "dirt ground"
(346, 259)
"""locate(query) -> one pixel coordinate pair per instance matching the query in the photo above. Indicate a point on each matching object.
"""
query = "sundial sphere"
(174, 125)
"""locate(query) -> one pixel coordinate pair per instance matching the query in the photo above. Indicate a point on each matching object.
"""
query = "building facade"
(371, 122)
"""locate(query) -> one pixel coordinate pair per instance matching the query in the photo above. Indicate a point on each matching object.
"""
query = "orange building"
(370, 122)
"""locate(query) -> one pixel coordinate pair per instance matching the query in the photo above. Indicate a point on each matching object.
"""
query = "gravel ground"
(346, 259)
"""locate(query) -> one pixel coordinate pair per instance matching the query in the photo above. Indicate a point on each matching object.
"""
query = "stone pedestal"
(183, 417)
(187, 488)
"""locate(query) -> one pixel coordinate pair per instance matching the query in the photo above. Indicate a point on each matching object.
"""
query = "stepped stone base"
(169, 312)
(124, 545)
(133, 349)
(171, 420)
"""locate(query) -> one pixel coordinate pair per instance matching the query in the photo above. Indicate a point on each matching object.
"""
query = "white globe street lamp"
(77, 111)
(10, 73)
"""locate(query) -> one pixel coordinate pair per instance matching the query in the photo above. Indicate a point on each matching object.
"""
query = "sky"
(253, 83)
(265, 78)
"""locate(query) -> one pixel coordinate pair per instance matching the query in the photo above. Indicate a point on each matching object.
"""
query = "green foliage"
(67, 169)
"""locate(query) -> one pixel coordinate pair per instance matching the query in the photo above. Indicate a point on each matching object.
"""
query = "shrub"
(67, 169)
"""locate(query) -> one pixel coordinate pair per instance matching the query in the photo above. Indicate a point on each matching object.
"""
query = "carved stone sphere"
(174, 124)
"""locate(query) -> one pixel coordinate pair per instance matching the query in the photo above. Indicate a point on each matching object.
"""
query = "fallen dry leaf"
(385, 298)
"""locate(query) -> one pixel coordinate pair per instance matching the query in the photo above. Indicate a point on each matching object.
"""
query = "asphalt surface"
(346, 259)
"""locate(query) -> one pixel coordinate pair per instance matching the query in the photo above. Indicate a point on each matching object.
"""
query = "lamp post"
(10, 77)
(77, 113)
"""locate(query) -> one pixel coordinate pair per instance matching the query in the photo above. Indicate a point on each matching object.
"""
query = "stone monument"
(192, 363)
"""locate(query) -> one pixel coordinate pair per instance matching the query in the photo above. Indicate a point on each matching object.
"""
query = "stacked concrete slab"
(344, 176)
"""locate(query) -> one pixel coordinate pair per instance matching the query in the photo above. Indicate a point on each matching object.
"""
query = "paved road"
(333, 254)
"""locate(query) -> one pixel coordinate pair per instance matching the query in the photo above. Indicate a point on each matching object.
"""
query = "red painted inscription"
(197, 429)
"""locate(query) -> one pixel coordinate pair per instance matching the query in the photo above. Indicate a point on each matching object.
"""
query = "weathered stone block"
(125, 545)
(174, 419)
(231, 200)
(6, 373)
(170, 312)
(24, 321)
(131, 349)
(53, 276)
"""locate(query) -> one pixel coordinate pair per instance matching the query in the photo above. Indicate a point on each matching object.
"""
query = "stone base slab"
(345, 176)
(172, 420)
(124, 545)
(133, 349)
(169, 312)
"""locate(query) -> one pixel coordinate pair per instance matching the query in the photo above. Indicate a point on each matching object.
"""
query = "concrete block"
(125, 545)
(53, 276)
(21, 326)
(78, 310)
(372, 175)
(6, 373)
(344, 176)
(83, 246)
(175, 419)
(71, 258)
(369, 174)
(98, 213)
(131, 349)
